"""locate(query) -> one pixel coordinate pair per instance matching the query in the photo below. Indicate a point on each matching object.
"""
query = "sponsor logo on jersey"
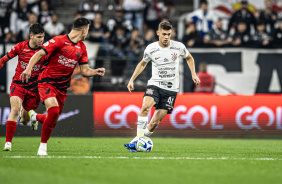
(174, 48)
(66, 61)
(78, 47)
(167, 84)
(157, 58)
(52, 41)
(166, 60)
(66, 43)
(154, 51)
(174, 56)
(26, 50)
(149, 91)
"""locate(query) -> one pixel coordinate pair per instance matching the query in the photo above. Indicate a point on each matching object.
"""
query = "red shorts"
(47, 90)
(30, 99)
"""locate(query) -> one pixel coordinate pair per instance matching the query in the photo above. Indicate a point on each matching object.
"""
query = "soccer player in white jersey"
(162, 88)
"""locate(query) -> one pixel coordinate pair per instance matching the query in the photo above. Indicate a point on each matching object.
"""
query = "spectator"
(207, 80)
(19, 17)
(217, 36)
(169, 10)
(268, 16)
(5, 12)
(133, 12)
(32, 19)
(153, 13)
(54, 27)
(79, 85)
(45, 14)
(149, 37)
(192, 36)
(241, 37)
(120, 42)
(119, 21)
(98, 32)
(202, 18)
(88, 8)
(261, 38)
(277, 37)
(242, 15)
(134, 52)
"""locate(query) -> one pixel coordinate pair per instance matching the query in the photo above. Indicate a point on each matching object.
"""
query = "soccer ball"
(144, 144)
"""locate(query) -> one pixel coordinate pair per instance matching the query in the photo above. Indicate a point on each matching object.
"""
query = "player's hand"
(25, 75)
(101, 71)
(130, 86)
(196, 79)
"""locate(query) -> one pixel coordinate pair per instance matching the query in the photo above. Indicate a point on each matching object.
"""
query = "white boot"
(8, 146)
(42, 150)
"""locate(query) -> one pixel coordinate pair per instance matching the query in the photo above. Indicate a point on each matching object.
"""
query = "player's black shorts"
(164, 99)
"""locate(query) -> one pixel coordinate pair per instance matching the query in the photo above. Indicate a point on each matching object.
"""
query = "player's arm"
(3, 60)
(191, 64)
(34, 59)
(88, 72)
(139, 68)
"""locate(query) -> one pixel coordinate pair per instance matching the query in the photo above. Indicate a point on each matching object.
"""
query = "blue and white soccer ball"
(144, 144)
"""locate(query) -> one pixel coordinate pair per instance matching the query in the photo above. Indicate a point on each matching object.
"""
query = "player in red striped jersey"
(24, 94)
(65, 52)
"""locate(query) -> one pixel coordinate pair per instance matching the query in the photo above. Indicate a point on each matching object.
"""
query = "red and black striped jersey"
(24, 53)
(63, 57)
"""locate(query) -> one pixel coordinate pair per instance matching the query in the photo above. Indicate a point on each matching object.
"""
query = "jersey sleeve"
(84, 57)
(15, 50)
(147, 56)
(51, 45)
(183, 51)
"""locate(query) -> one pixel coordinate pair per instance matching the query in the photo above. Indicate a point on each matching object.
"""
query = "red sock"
(49, 123)
(41, 117)
(10, 130)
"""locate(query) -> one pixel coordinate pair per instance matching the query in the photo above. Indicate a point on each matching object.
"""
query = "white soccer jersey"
(165, 64)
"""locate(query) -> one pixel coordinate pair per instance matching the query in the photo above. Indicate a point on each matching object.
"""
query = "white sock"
(43, 145)
(147, 132)
(141, 125)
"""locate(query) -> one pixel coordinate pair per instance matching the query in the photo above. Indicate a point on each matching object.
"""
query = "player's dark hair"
(165, 26)
(79, 23)
(36, 29)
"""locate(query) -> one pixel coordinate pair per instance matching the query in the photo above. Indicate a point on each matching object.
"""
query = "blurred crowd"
(133, 23)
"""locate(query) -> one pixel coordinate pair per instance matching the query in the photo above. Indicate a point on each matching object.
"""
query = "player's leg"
(24, 116)
(155, 121)
(165, 106)
(53, 112)
(11, 125)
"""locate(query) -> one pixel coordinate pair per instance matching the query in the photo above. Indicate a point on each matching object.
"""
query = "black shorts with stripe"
(164, 99)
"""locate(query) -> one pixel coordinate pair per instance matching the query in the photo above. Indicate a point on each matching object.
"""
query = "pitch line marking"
(142, 158)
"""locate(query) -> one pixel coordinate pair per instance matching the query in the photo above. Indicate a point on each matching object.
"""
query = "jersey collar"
(30, 47)
(70, 40)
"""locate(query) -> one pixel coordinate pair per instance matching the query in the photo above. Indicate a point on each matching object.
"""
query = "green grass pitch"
(106, 161)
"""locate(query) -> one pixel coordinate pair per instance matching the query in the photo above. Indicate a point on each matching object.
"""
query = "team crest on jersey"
(78, 54)
(174, 56)
(52, 41)
(149, 91)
